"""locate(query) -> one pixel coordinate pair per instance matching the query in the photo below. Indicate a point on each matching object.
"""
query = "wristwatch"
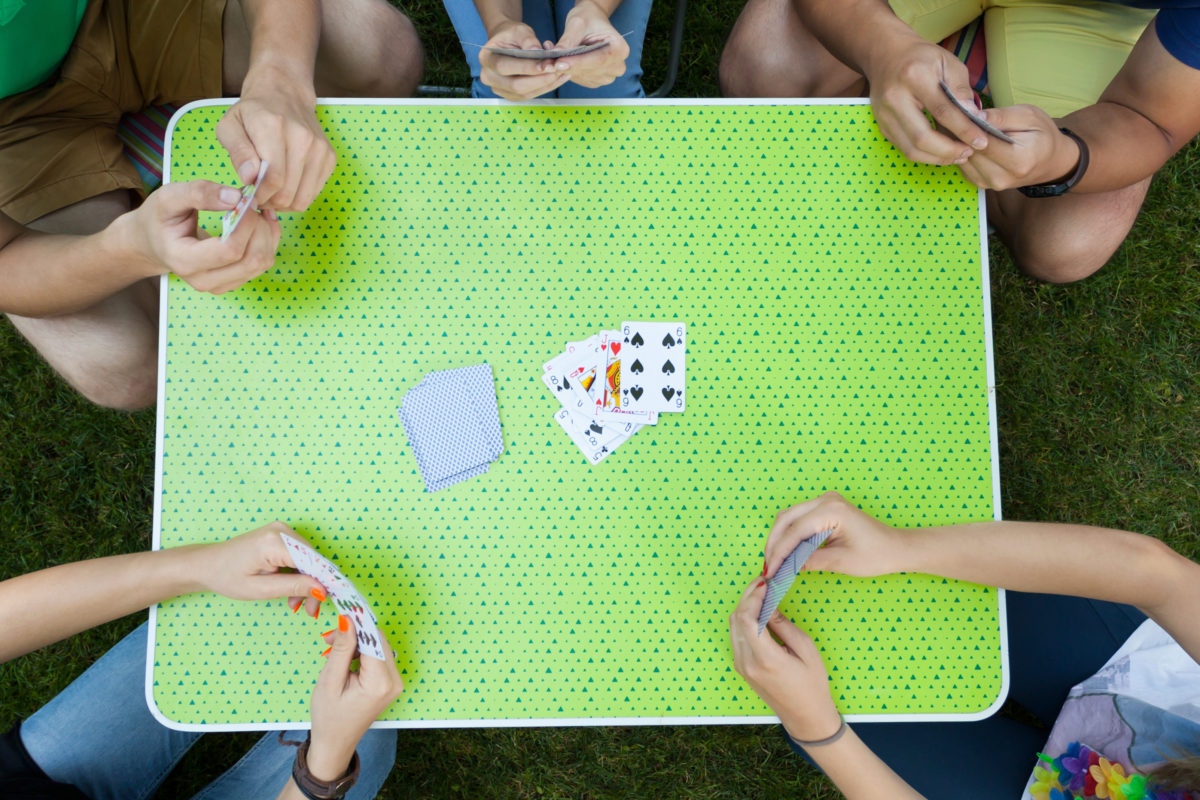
(1059, 189)
(314, 789)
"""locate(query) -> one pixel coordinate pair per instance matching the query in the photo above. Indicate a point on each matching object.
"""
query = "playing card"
(231, 218)
(538, 55)
(345, 596)
(779, 583)
(653, 366)
(597, 439)
(980, 122)
(573, 376)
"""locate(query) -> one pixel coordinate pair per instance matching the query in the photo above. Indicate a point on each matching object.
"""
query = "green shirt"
(35, 36)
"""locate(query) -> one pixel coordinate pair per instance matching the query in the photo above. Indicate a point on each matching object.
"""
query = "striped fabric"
(142, 135)
(967, 45)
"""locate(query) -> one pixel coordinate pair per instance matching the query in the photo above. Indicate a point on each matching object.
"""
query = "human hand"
(904, 79)
(345, 702)
(519, 78)
(788, 674)
(249, 567)
(587, 23)
(1043, 153)
(857, 544)
(162, 236)
(275, 121)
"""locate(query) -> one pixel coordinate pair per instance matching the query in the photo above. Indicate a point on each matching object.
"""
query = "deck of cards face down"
(346, 598)
(231, 218)
(615, 382)
(779, 583)
(452, 420)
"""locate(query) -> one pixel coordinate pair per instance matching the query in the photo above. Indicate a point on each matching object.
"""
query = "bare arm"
(1098, 563)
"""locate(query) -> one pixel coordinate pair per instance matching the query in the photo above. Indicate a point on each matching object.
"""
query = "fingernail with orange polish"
(318, 593)
(343, 623)
(294, 603)
(325, 652)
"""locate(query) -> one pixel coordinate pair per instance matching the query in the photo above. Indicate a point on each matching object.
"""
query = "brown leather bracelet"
(314, 789)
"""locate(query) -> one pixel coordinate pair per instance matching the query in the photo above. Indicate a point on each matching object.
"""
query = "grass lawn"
(1098, 388)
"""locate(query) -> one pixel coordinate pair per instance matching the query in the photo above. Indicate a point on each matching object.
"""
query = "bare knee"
(127, 392)
(368, 49)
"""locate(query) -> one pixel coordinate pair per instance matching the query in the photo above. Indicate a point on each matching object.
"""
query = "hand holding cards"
(539, 54)
(346, 598)
(779, 583)
(232, 218)
(615, 382)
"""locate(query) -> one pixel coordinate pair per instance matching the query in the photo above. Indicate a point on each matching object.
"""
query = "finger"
(745, 614)
(529, 87)
(257, 257)
(232, 134)
(340, 654)
(797, 641)
(318, 166)
(183, 199)
(283, 584)
(300, 143)
(959, 121)
(780, 539)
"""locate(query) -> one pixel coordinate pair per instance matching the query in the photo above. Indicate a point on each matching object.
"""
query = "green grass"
(1099, 413)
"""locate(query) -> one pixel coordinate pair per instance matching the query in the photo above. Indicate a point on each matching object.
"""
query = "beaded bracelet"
(839, 733)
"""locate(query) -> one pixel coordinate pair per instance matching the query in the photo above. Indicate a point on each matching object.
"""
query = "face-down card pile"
(779, 583)
(453, 425)
(613, 383)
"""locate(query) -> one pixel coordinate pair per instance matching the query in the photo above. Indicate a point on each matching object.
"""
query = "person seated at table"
(1099, 585)
(69, 69)
(612, 71)
(1098, 95)
(97, 739)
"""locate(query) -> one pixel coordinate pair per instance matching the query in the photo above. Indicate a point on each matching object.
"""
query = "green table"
(836, 302)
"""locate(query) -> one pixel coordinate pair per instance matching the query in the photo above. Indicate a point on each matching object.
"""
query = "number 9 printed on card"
(825, 298)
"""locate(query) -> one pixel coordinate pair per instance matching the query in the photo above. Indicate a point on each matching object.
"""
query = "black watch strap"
(1059, 189)
(314, 789)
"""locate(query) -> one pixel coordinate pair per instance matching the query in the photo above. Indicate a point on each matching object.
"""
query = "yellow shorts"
(1058, 55)
(58, 142)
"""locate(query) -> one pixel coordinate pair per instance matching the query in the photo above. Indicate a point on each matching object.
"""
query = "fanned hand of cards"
(779, 583)
(346, 599)
(231, 218)
(535, 54)
(453, 425)
(613, 383)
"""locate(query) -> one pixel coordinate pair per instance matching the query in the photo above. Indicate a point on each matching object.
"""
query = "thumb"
(792, 637)
(341, 653)
(231, 133)
(184, 198)
(284, 584)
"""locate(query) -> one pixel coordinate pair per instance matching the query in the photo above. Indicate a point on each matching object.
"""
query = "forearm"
(858, 773)
(855, 30)
(52, 604)
(1125, 146)
(46, 275)
(1097, 563)
(284, 35)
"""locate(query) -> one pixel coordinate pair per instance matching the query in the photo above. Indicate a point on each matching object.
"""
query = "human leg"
(1082, 45)
(99, 735)
(771, 53)
(108, 352)
(264, 770)
(368, 48)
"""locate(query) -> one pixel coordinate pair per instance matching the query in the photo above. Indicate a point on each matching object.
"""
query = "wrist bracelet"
(839, 733)
(312, 788)
(1059, 189)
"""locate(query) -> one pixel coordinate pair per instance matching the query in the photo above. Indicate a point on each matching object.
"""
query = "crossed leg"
(771, 53)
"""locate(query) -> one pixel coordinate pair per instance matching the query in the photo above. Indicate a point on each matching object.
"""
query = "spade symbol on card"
(637, 340)
(597, 429)
(668, 368)
(637, 392)
(636, 367)
(668, 392)
(668, 341)
(565, 384)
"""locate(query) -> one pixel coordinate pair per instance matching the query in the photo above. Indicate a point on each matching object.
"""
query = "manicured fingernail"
(764, 572)
(270, 214)
(318, 593)
(229, 195)
(328, 632)
(294, 603)
(343, 623)
(760, 582)
(247, 171)
(325, 652)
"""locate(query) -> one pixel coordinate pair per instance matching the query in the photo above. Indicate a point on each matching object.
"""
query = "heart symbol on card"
(668, 392)
(637, 340)
(668, 341)
(668, 368)
(637, 392)
(636, 367)
(616, 347)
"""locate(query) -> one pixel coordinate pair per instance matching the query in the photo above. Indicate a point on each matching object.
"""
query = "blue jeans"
(547, 18)
(99, 735)
(1054, 643)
